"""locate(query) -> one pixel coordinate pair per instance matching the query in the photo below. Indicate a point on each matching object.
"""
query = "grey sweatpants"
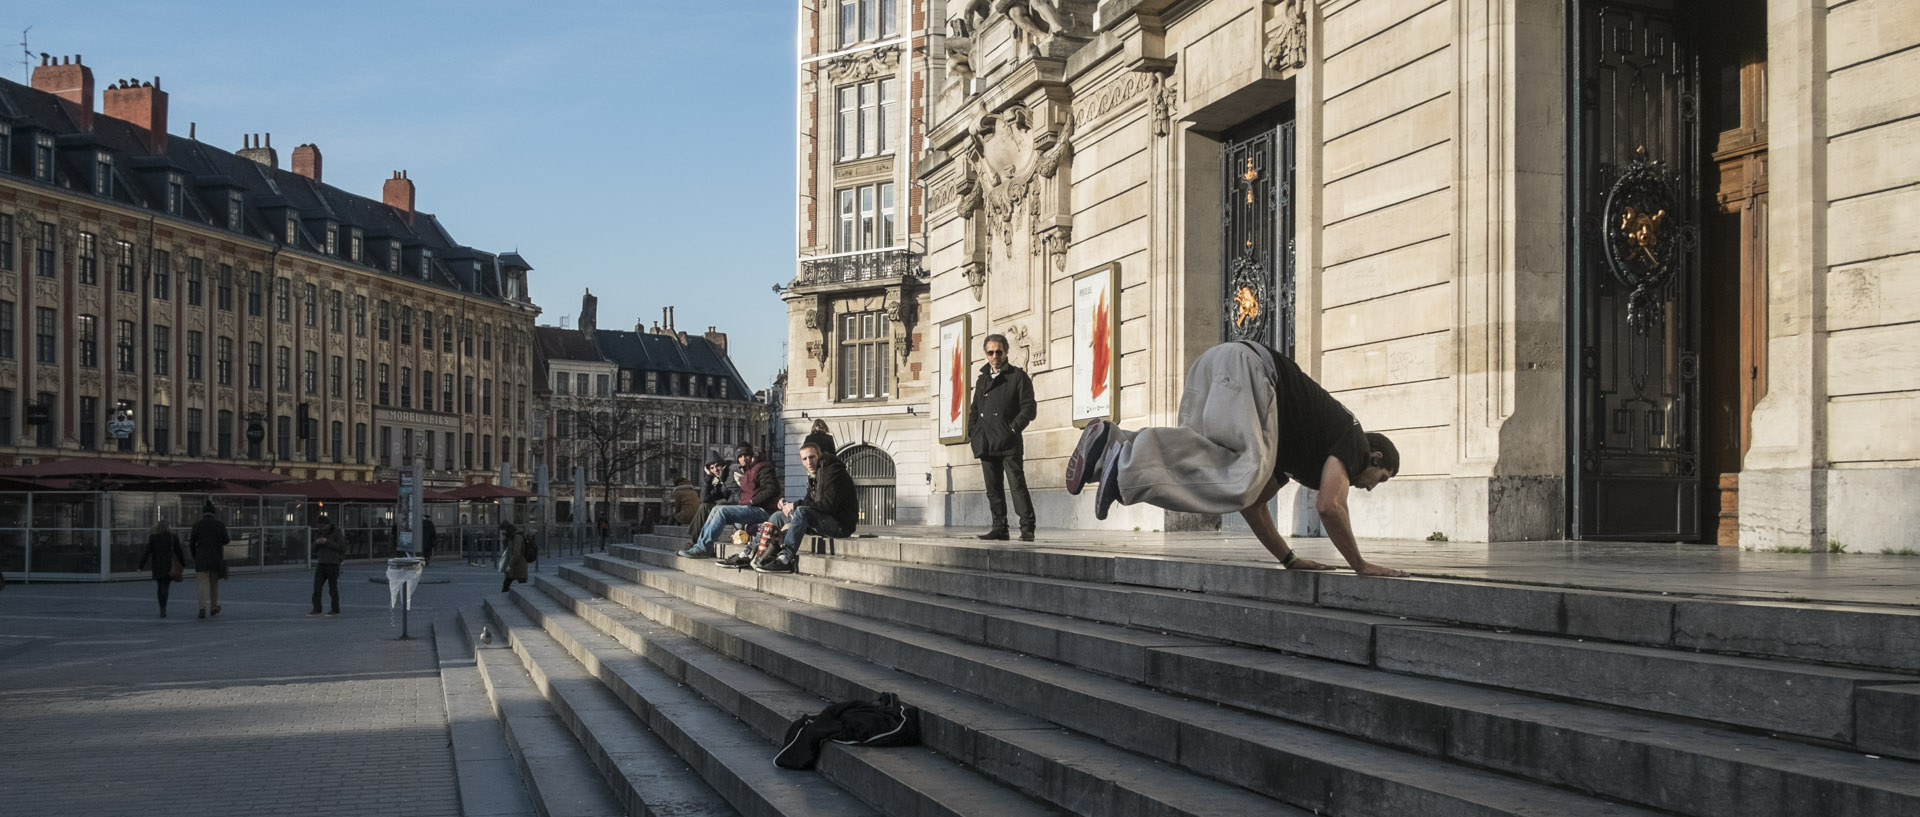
(1221, 455)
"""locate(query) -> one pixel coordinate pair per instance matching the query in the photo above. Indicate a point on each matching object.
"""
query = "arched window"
(873, 481)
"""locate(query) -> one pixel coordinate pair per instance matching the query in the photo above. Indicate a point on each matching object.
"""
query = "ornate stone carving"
(10, 285)
(976, 274)
(860, 66)
(1054, 241)
(1165, 94)
(197, 393)
(1119, 93)
(1287, 36)
(1035, 348)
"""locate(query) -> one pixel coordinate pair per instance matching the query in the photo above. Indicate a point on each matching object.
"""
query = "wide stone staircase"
(1063, 681)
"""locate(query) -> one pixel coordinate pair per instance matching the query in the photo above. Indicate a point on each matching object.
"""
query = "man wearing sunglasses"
(1002, 408)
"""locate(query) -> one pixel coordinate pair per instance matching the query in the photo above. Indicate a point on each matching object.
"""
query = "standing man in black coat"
(1002, 408)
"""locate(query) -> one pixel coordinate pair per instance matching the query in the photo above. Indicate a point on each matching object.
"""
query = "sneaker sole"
(1093, 443)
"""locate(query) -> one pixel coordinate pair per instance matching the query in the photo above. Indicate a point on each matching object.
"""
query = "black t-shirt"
(1313, 427)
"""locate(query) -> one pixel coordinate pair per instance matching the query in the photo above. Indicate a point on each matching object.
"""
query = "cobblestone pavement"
(107, 709)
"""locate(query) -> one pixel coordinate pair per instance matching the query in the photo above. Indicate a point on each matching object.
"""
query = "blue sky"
(642, 149)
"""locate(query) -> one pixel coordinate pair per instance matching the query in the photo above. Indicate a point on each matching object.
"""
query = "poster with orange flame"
(956, 380)
(1096, 344)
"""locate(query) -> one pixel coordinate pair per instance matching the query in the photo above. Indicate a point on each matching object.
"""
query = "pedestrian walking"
(1249, 421)
(167, 556)
(759, 496)
(209, 542)
(821, 437)
(431, 536)
(513, 556)
(329, 549)
(1002, 407)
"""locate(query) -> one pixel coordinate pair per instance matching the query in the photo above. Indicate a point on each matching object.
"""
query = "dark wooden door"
(1636, 274)
(1258, 218)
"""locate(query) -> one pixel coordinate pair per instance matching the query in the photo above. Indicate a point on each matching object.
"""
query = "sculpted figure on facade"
(1287, 36)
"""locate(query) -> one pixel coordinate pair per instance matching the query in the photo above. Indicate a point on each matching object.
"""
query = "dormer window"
(6, 147)
(356, 245)
(43, 157)
(293, 229)
(426, 264)
(393, 257)
(176, 195)
(333, 238)
(234, 212)
(103, 174)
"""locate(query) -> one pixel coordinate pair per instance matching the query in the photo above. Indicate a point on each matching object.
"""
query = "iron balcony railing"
(847, 268)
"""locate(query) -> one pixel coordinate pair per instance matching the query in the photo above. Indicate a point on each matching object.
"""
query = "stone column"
(1782, 485)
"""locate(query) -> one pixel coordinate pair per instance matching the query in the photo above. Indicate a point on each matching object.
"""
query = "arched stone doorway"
(873, 480)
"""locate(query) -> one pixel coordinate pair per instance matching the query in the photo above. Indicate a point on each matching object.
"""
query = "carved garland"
(1287, 37)
(863, 65)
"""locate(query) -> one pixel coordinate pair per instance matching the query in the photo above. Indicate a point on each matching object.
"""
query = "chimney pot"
(72, 83)
(306, 161)
(145, 107)
(258, 153)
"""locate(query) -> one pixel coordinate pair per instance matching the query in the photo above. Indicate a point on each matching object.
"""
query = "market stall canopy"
(223, 472)
(99, 467)
(333, 490)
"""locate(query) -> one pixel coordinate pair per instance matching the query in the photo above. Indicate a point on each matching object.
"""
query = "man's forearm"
(1341, 532)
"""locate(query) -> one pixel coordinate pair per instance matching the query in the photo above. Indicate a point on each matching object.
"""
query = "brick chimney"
(398, 194)
(306, 162)
(72, 81)
(717, 338)
(144, 105)
(260, 151)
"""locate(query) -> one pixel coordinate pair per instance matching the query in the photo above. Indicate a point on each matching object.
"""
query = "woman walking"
(167, 556)
(513, 561)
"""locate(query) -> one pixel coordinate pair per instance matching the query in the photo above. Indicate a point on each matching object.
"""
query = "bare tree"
(614, 438)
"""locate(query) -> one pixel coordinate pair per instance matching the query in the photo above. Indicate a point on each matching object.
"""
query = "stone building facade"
(626, 415)
(857, 301)
(205, 294)
(1624, 269)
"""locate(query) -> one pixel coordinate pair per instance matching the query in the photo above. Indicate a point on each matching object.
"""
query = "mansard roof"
(209, 174)
(642, 352)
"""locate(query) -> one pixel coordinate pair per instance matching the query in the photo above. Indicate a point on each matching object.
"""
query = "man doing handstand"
(1250, 419)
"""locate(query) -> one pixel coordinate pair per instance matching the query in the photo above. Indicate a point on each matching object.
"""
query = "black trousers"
(1008, 469)
(329, 575)
(166, 584)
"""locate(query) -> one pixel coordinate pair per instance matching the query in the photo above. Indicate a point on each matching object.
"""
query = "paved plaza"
(108, 709)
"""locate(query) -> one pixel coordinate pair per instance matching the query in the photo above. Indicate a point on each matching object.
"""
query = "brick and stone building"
(857, 330)
(206, 294)
(624, 415)
(1638, 269)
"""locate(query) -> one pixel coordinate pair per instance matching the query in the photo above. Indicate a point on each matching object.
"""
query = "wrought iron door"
(1258, 220)
(1635, 323)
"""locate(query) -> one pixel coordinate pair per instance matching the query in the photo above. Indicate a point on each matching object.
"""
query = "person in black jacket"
(713, 493)
(830, 508)
(759, 498)
(163, 552)
(1002, 408)
(209, 540)
(820, 436)
(329, 550)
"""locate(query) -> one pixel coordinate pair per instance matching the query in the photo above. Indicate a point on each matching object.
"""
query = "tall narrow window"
(223, 434)
(336, 310)
(124, 268)
(406, 387)
(162, 430)
(176, 195)
(446, 393)
(486, 396)
(43, 263)
(360, 443)
(89, 335)
(196, 427)
(382, 391)
(223, 289)
(883, 124)
(283, 300)
(360, 380)
(385, 322)
(283, 369)
(310, 373)
(6, 237)
(336, 440)
(195, 272)
(310, 306)
(45, 350)
(337, 377)
(43, 157)
(6, 415)
(90, 423)
(486, 342)
(849, 22)
(235, 213)
(124, 346)
(223, 361)
(426, 330)
(6, 330)
(359, 316)
(406, 324)
(426, 389)
(162, 275)
(847, 137)
(87, 253)
(196, 349)
(255, 365)
(846, 238)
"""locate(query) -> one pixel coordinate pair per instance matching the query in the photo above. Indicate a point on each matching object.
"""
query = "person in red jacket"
(759, 499)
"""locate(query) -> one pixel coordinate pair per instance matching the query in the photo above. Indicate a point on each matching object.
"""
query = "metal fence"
(101, 535)
(480, 544)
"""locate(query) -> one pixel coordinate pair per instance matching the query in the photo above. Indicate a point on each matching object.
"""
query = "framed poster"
(954, 408)
(1096, 348)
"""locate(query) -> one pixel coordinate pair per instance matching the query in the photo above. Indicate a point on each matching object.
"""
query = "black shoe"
(334, 613)
(163, 613)
(1026, 536)
(994, 536)
(1109, 492)
(314, 612)
(203, 612)
(216, 609)
(738, 561)
(1084, 465)
(782, 562)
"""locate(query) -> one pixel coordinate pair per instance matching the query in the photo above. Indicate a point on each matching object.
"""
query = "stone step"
(1801, 699)
(892, 781)
(1648, 760)
(1072, 772)
(640, 769)
(484, 768)
(1304, 767)
(1862, 636)
(558, 776)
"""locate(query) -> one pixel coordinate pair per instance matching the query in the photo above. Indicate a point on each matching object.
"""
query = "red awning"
(333, 490)
(483, 490)
(88, 467)
(224, 473)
